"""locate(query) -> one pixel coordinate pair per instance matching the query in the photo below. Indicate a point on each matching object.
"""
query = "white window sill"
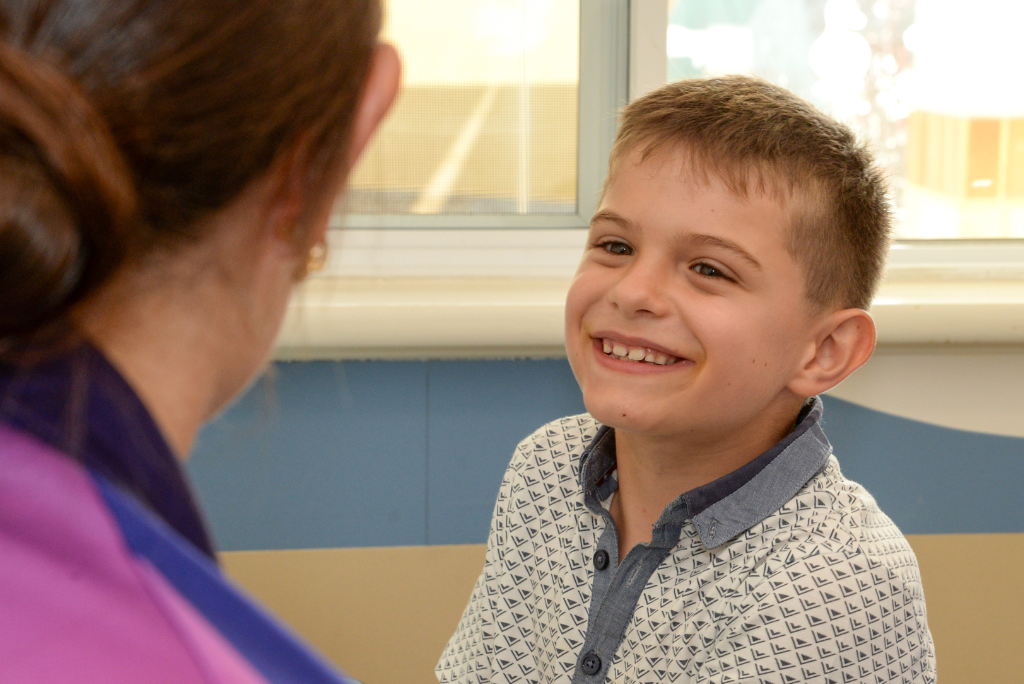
(500, 294)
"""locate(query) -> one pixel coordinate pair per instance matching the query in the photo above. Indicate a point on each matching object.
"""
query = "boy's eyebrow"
(702, 240)
(607, 215)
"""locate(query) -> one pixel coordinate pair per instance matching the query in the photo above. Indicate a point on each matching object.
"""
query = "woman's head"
(126, 125)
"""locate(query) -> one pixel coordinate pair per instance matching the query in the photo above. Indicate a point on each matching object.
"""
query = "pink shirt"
(76, 605)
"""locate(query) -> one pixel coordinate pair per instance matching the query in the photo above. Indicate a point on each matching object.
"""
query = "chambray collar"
(734, 502)
(79, 404)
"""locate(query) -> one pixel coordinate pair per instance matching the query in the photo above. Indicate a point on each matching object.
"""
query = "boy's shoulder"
(826, 581)
(833, 540)
(550, 457)
(560, 442)
(845, 506)
(834, 513)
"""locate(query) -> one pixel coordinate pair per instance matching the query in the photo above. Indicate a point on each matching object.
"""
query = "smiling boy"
(694, 526)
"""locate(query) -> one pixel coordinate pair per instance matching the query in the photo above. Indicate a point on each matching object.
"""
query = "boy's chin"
(628, 417)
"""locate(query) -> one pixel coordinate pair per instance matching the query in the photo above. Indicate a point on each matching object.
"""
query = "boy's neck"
(653, 471)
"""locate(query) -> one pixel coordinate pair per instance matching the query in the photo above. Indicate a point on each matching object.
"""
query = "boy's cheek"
(576, 359)
(575, 307)
(581, 293)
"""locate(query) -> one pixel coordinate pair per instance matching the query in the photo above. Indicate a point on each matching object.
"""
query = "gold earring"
(317, 257)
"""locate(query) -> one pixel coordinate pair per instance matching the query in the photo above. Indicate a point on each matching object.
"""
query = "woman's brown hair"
(124, 123)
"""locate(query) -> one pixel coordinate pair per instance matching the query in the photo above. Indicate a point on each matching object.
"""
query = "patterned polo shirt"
(782, 571)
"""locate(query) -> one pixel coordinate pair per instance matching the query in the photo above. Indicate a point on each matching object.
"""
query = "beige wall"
(977, 388)
(382, 614)
(975, 596)
(385, 614)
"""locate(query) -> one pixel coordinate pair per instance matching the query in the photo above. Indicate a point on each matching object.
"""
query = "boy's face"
(699, 283)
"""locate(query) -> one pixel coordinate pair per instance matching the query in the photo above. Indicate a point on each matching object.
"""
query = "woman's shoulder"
(75, 603)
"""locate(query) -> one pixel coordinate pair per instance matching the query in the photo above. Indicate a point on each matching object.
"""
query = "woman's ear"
(287, 182)
(378, 95)
(845, 341)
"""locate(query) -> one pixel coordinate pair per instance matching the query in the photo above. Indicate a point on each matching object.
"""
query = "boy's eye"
(618, 248)
(707, 270)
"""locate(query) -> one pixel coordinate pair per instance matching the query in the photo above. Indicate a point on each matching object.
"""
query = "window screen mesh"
(486, 121)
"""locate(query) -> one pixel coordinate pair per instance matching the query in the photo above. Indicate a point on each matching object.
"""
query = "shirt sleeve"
(845, 616)
(467, 657)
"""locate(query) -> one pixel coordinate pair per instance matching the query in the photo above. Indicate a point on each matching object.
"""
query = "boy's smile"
(687, 315)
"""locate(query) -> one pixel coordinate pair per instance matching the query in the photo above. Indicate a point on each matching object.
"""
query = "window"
(486, 131)
(931, 84)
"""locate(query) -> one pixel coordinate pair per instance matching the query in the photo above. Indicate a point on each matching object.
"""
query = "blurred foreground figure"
(166, 169)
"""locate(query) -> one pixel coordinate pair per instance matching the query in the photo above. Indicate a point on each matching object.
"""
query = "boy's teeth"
(637, 354)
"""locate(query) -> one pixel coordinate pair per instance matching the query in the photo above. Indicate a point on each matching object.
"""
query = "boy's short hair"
(757, 136)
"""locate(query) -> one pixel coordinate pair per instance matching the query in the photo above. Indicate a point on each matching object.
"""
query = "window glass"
(933, 85)
(486, 121)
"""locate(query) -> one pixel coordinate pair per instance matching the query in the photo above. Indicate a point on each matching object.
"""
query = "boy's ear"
(845, 341)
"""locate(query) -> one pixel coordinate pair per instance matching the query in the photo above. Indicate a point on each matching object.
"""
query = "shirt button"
(591, 663)
(601, 559)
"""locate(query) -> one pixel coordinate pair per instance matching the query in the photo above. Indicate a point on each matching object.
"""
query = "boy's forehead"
(647, 172)
(688, 164)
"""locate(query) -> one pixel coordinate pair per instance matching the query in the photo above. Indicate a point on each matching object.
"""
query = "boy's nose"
(641, 290)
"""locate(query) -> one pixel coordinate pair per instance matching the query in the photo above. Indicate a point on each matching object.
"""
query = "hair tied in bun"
(67, 204)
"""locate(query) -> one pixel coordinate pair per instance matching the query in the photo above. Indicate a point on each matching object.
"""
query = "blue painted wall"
(928, 479)
(336, 454)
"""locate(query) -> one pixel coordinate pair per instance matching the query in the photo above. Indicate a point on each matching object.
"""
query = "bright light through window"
(934, 85)
(486, 122)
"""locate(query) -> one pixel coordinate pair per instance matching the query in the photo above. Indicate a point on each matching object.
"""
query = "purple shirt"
(76, 605)
(79, 404)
